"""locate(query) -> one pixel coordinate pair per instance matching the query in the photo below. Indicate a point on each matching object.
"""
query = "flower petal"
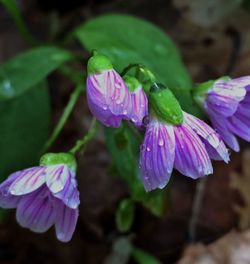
(139, 106)
(240, 125)
(56, 177)
(36, 211)
(191, 157)
(118, 96)
(157, 155)
(225, 96)
(28, 181)
(69, 195)
(209, 137)
(220, 123)
(65, 222)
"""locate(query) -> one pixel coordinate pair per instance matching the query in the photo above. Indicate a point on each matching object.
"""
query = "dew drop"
(105, 107)
(161, 142)
(148, 149)
(125, 112)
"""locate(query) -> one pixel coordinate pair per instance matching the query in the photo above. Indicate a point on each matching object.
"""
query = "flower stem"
(197, 204)
(66, 113)
(81, 143)
(129, 67)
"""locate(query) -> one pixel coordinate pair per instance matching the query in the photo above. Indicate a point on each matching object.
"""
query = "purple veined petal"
(243, 81)
(56, 177)
(108, 98)
(220, 123)
(96, 89)
(69, 195)
(222, 105)
(7, 200)
(104, 114)
(191, 157)
(119, 96)
(139, 106)
(35, 211)
(157, 155)
(65, 222)
(240, 125)
(209, 137)
(225, 96)
(28, 181)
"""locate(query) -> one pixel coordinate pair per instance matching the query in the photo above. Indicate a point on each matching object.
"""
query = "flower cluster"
(47, 195)
(173, 138)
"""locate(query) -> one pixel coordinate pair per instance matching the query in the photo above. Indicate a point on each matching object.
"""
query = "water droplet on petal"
(148, 149)
(105, 107)
(161, 142)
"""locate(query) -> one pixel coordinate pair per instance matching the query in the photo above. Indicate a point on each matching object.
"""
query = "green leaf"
(126, 39)
(26, 70)
(24, 125)
(125, 215)
(142, 257)
(124, 149)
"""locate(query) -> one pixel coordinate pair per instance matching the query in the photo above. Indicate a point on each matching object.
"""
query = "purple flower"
(227, 104)
(187, 147)
(108, 96)
(43, 196)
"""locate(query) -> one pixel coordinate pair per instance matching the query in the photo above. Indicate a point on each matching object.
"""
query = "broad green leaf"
(125, 215)
(126, 39)
(142, 257)
(124, 149)
(24, 125)
(26, 70)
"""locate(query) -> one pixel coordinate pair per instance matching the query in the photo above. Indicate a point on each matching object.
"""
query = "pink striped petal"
(65, 222)
(69, 195)
(56, 177)
(191, 157)
(28, 181)
(209, 136)
(36, 212)
(157, 155)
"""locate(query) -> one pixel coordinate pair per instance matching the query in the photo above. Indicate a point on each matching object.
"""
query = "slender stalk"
(129, 67)
(81, 143)
(66, 113)
(197, 203)
(12, 7)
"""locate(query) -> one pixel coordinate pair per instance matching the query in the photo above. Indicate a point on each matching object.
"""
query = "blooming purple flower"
(108, 96)
(187, 147)
(227, 104)
(43, 196)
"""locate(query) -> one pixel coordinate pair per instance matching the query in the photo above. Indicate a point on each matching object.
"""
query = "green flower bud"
(59, 158)
(165, 105)
(132, 83)
(98, 63)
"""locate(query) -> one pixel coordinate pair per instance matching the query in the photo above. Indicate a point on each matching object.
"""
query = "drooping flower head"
(175, 139)
(45, 195)
(139, 100)
(226, 102)
(108, 96)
